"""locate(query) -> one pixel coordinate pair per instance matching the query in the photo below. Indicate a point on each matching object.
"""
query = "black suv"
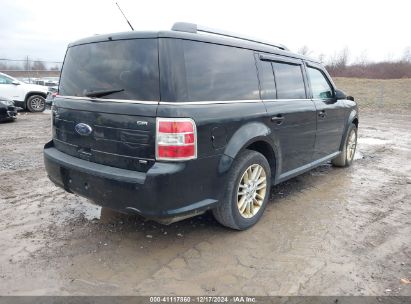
(171, 124)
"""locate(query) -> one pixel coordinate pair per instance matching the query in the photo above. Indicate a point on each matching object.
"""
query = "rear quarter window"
(219, 73)
(131, 65)
(267, 82)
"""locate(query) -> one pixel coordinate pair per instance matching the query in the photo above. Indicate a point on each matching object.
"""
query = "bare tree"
(389, 57)
(321, 58)
(10, 66)
(337, 63)
(407, 54)
(362, 59)
(304, 50)
(55, 68)
(38, 66)
(14, 67)
(342, 58)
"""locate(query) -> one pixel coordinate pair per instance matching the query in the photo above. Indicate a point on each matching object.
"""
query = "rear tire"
(346, 156)
(248, 190)
(36, 103)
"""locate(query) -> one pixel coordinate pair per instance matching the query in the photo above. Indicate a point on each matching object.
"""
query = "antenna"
(125, 17)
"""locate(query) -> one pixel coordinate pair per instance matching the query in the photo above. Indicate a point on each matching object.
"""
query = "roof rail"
(194, 28)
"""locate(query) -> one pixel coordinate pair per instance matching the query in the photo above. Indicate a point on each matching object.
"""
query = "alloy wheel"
(37, 103)
(351, 145)
(251, 191)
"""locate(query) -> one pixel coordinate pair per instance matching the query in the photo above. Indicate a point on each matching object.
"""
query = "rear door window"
(219, 73)
(128, 65)
(289, 81)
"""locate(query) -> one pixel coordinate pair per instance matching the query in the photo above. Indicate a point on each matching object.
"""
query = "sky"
(371, 30)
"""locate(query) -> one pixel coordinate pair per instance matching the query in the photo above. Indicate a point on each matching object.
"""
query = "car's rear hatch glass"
(129, 65)
(113, 87)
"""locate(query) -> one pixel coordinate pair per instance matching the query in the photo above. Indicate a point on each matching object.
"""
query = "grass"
(374, 94)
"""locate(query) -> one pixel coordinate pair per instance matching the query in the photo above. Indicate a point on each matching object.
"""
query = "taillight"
(176, 139)
(53, 116)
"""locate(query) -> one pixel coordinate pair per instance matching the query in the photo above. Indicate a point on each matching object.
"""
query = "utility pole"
(28, 68)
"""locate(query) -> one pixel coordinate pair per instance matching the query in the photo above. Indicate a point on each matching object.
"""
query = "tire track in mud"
(373, 220)
(329, 231)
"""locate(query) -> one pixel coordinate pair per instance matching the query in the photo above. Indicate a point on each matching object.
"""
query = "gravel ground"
(328, 232)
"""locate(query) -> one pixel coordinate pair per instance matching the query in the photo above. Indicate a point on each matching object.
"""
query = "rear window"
(128, 65)
(289, 81)
(218, 73)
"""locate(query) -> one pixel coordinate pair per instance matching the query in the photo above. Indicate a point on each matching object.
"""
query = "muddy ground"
(328, 232)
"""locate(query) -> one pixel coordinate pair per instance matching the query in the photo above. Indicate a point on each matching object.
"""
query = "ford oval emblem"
(83, 129)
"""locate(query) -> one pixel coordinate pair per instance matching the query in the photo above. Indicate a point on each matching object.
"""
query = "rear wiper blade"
(102, 92)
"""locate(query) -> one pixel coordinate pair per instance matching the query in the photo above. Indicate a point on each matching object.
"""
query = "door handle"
(322, 114)
(278, 119)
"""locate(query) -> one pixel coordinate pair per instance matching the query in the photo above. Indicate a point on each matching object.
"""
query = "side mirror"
(340, 95)
(15, 82)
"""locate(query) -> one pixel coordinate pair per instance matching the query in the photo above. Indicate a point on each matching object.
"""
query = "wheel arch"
(253, 136)
(352, 118)
(263, 147)
(31, 93)
(355, 121)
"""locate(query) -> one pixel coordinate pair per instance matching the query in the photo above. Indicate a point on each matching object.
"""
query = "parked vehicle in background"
(51, 82)
(25, 79)
(52, 91)
(8, 111)
(28, 96)
(49, 99)
(171, 124)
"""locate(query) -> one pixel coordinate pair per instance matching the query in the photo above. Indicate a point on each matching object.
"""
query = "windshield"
(6, 79)
(127, 67)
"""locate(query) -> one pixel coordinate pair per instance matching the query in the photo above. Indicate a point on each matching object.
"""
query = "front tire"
(248, 190)
(346, 156)
(36, 103)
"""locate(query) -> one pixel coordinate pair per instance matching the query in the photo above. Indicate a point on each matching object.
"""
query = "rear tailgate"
(124, 139)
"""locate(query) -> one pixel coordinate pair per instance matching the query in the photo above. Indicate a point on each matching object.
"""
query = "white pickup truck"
(28, 96)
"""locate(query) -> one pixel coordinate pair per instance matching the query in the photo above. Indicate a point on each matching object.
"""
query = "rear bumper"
(166, 190)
